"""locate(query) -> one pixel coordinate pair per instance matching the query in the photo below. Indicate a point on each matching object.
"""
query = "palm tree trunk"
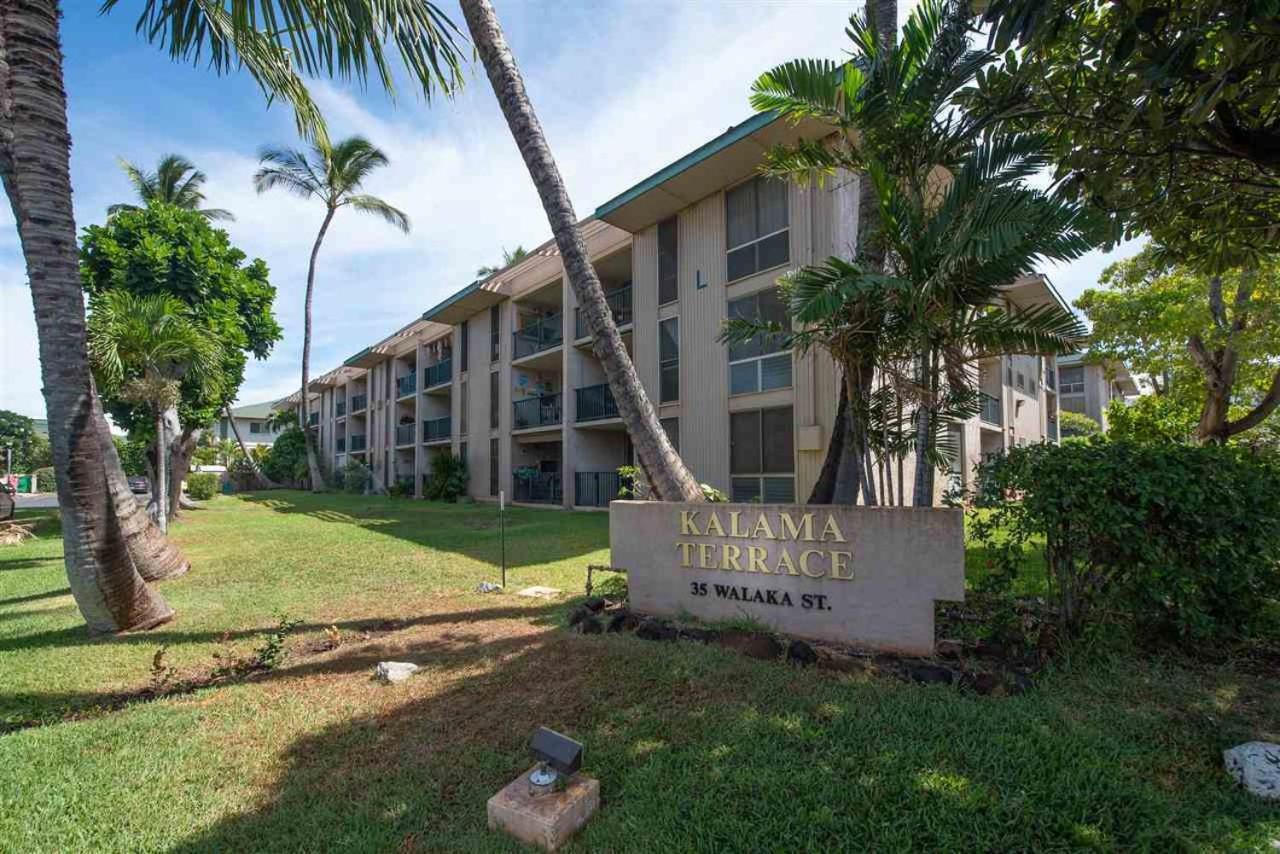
(850, 473)
(34, 165)
(666, 473)
(161, 485)
(313, 456)
(262, 479)
(181, 449)
(824, 489)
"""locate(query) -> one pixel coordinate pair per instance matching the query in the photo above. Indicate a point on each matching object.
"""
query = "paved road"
(49, 499)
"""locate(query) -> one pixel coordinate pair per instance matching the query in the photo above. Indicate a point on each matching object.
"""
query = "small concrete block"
(539, 592)
(545, 820)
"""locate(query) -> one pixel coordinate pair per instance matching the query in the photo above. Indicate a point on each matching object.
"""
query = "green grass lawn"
(696, 748)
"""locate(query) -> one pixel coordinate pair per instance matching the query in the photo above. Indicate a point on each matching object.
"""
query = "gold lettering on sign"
(729, 558)
(755, 558)
(804, 563)
(685, 549)
(833, 529)
(687, 526)
(792, 530)
(762, 524)
(704, 555)
(784, 560)
(735, 516)
(791, 527)
(840, 569)
(714, 527)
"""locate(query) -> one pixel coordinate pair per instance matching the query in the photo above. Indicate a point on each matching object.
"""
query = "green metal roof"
(449, 301)
(693, 158)
(353, 359)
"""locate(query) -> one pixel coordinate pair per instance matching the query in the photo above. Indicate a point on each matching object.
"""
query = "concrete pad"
(539, 592)
(546, 820)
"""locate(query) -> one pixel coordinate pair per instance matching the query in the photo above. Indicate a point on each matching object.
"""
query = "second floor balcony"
(438, 374)
(340, 409)
(404, 435)
(407, 384)
(543, 411)
(619, 301)
(542, 334)
(436, 429)
(992, 411)
(356, 443)
(595, 402)
(359, 403)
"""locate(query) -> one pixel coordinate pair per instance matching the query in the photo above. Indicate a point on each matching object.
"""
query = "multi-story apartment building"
(502, 372)
(1088, 386)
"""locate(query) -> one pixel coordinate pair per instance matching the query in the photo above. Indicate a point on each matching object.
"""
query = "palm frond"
(379, 208)
(289, 170)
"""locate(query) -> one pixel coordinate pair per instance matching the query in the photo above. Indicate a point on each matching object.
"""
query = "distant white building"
(252, 421)
(1087, 387)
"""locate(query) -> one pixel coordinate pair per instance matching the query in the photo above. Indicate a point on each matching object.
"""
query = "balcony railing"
(404, 434)
(435, 429)
(407, 384)
(991, 410)
(536, 411)
(437, 374)
(1052, 429)
(313, 418)
(357, 442)
(537, 336)
(341, 409)
(595, 402)
(359, 403)
(340, 445)
(595, 488)
(537, 487)
(619, 303)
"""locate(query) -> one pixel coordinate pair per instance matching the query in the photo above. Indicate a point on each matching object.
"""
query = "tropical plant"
(356, 477)
(109, 542)
(202, 486)
(163, 249)
(142, 348)
(667, 474)
(286, 459)
(1077, 424)
(176, 182)
(332, 175)
(956, 222)
(509, 257)
(449, 478)
(248, 460)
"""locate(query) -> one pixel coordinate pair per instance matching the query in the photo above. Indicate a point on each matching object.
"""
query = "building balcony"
(359, 403)
(595, 402)
(407, 384)
(438, 374)
(544, 411)
(404, 435)
(619, 301)
(537, 336)
(595, 488)
(356, 443)
(313, 419)
(992, 411)
(436, 429)
(340, 409)
(536, 487)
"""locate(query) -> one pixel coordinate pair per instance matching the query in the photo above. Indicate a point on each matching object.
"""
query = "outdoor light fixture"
(557, 755)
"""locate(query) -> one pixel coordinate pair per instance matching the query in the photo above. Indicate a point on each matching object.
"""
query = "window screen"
(756, 226)
(762, 455)
(672, 428)
(493, 400)
(464, 342)
(669, 360)
(495, 325)
(760, 364)
(668, 254)
(493, 466)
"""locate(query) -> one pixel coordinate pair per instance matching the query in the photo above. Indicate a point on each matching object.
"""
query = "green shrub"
(286, 459)
(202, 486)
(354, 478)
(45, 481)
(1077, 424)
(449, 476)
(1186, 538)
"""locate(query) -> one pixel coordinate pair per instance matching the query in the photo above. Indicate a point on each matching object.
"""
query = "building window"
(757, 228)
(671, 426)
(760, 364)
(493, 467)
(669, 360)
(1071, 380)
(668, 254)
(462, 452)
(762, 456)
(495, 324)
(1022, 381)
(493, 400)
(464, 341)
(462, 408)
(255, 426)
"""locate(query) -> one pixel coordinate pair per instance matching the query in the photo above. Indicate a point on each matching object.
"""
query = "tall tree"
(666, 473)
(176, 182)
(162, 249)
(108, 540)
(143, 347)
(332, 175)
(509, 257)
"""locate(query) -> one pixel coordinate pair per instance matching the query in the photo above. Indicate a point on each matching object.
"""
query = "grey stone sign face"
(866, 576)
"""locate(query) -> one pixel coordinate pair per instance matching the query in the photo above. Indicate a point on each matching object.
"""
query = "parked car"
(139, 484)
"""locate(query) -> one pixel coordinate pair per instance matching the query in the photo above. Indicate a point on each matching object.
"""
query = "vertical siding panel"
(644, 301)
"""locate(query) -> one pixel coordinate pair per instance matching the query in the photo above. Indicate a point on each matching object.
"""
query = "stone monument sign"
(867, 576)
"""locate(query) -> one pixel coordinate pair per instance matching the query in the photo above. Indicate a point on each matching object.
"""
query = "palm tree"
(666, 473)
(109, 544)
(142, 347)
(331, 174)
(176, 181)
(508, 258)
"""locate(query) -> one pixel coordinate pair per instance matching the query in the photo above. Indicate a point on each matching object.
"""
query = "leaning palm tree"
(332, 175)
(176, 181)
(666, 473)
(509, 257)
(142, 347)
(110, 545)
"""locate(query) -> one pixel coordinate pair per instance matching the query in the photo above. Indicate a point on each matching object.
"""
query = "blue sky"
(622, 89)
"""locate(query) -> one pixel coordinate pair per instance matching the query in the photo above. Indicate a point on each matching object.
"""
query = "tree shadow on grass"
(698, 749)
(35, 597)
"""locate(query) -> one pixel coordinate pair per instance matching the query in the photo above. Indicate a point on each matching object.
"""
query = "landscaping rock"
(623, 621)
(1020, 683)
(930, 674)
(752, 644)
(699, 635)
(838, 662)
(591, 626)
(539, 592)
(594, 604)
(654, 630)
(394, 671)
(947, 648)
(800, 653)
(989, 649)
(488, 587)
(986, 684)
(1256, 766)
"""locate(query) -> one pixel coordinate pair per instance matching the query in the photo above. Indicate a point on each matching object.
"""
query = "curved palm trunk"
(313, 457)
(262, 479)
(666, 473)
(181, 449)
(161, 484)
(34, 164)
